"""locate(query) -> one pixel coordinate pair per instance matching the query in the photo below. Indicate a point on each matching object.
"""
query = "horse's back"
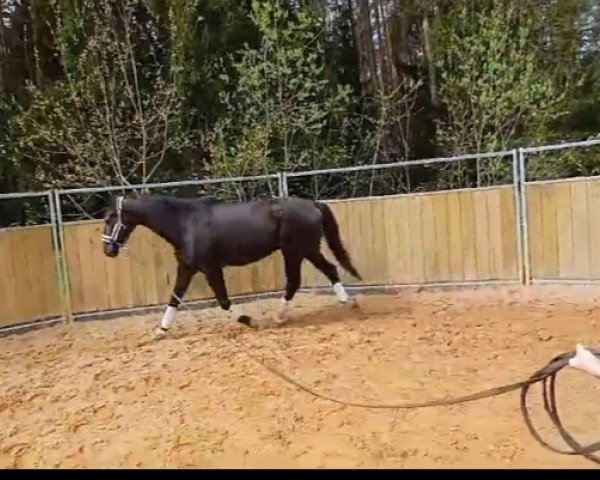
(266, 217)
(268, 209)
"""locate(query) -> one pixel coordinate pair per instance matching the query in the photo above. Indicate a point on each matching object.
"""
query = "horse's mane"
(211, 200)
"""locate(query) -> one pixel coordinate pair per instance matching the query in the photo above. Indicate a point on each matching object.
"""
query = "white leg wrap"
(282, 315)
(168, 317)
(340, 292)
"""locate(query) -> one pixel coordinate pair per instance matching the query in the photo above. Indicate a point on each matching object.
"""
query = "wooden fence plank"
(29, 289)
(142, 269)
(535, 229)
(593, 218)
(376, 234)
(482, 234)
(580, 226)
(550, 261)
(494, 216)
(40, 273)
(508, 215)
(415, 233)
(428, 240)
(561, 198)
(396, 239)
(455, 238)
(402, 222)
(21, 286)
(442, 243)
(9, 314)
(71, 252)
(468, 233)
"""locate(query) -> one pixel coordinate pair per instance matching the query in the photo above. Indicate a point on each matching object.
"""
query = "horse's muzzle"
(111, 250)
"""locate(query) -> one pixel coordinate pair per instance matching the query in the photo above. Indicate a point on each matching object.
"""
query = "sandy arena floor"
(99, 395)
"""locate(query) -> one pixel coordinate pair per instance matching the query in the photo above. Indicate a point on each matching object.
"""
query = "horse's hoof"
(282, 319)
(159, 334)
(353, 302)
(279, 322)
(245, 320)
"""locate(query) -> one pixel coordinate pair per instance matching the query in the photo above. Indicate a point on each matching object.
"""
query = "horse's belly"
(243, 256)
(244, 238)
(243, 250)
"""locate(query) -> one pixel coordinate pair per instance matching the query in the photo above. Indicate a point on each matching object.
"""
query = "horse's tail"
(332, 235)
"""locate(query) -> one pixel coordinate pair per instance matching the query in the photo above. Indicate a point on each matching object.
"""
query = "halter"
(118, 226)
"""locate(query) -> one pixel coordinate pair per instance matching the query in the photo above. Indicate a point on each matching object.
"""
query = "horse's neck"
(162, 223)
(170, 235)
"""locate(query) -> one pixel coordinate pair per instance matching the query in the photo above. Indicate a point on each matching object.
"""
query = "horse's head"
(118, 226)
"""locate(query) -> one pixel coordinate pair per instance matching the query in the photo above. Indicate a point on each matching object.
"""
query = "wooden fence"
(425, 238)
(29, 288)
(460, 236)
(450, 236)
(564, 226)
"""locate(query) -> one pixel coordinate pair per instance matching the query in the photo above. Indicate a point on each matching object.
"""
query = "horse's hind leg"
(184, 277)
(215, 280)
(330, 271)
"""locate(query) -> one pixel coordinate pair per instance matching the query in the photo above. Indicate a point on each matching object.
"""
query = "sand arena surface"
(98, 395)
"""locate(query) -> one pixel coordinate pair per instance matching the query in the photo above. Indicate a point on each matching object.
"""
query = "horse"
(208, 235)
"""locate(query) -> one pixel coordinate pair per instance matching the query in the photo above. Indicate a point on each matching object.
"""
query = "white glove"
(586, 361)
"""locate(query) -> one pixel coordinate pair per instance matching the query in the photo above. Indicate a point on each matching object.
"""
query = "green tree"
(494, 87)
(282, 109)
(115, 116)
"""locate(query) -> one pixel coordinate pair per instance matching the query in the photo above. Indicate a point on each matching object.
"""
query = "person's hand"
(586, 361)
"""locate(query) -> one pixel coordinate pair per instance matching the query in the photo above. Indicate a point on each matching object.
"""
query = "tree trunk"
(364, 39)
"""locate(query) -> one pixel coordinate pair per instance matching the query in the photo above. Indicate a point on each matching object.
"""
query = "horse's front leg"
(184, 277)
(215, 280)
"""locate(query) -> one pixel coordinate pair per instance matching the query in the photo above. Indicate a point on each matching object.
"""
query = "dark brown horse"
(208, 235)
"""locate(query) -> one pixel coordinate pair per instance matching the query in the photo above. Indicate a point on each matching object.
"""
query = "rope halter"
(118, 226)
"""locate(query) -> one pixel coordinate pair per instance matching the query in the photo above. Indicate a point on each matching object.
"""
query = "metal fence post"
(524, 216)
(56, 249)
(65, 280)
(518, 215)
(282, 184)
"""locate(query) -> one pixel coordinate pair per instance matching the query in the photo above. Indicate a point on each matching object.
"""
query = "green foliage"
(281, 107)
(492, 83)
(116, 114)
(8, 110)
(105, 91)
